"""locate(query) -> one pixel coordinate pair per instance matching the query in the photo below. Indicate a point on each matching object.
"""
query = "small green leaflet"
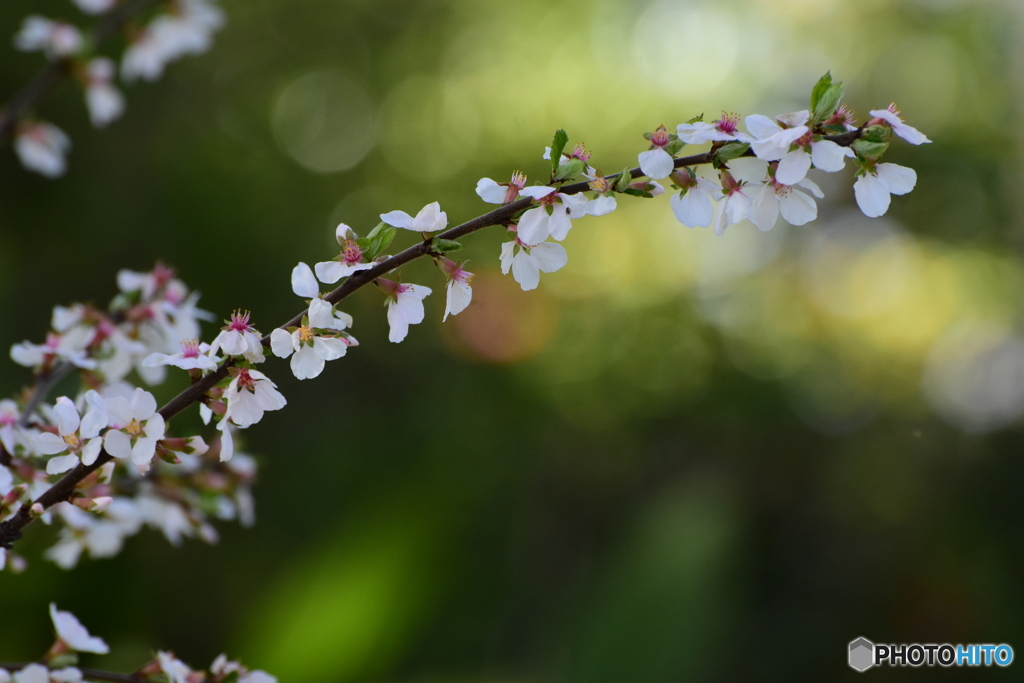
(825, 99)
(557, 145)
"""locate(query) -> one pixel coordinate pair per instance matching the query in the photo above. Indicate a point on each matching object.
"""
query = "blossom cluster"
(59, 664)
(141, 475)
(177, 29)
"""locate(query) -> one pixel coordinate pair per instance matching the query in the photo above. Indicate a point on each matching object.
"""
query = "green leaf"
(825, 99)
(675, 146)
(557, 145)
(379, 240)
(623, 181)
(377, 229)
(869, 149)
(635, 192)
(731, 150)
(569, 169)
(823, 84)
(444, 246)
(696, 119)
(364, 246)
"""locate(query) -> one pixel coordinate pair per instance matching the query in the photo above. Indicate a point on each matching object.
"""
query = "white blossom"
(41, 147)
(135, 428)
(872, 189)
(891, 115)
(76, 437)
(104, 100)
(552, 217)
(350, 259)
(735, 204)
(693, 205)
(32, 673)
(55, 38)
(239, 338)
(168, 37)
(405, 306)
(772, 139)
(249, 395)
(459, 292)
(71, 631)
(656, 163)
(797, 207)
(527, 262)
(722, 130)
(177, 671)
(430, 219)
(194, 355)
(501, 193)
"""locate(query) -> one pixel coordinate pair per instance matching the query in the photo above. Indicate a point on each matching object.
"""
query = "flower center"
(600, 184)
(728, 122)
(134, 428)
(353, 254)
(781, 190)
(580, 152)
(73, 442)
(190, 348)
(518, 180)
(804, 140)
(245, 381)
(305, 335)
(239, 321)
(659, 138)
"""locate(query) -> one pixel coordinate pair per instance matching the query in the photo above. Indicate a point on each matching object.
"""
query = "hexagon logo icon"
(862, 654)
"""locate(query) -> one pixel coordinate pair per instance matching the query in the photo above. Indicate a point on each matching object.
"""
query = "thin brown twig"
(11, 529)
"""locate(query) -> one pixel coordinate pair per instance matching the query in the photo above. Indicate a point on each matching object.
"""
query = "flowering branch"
(54, 73)
(63, 490)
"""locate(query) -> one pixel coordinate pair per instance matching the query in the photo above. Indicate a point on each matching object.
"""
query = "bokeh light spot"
(324, 121)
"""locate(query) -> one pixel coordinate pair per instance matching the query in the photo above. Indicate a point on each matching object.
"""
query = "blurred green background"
(683, 458)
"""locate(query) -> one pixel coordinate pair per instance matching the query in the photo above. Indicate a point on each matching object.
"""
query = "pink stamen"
(659, 138)
(190, 348)
(239, 321)
(353, 254)
(728, 122)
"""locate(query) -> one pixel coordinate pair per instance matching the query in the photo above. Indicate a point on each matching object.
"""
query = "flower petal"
(398, 219)
(828, 156)
(793, 167)
(656, 163)
(872, 195)
(490, 191)
(899, 179)
(303, 282)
